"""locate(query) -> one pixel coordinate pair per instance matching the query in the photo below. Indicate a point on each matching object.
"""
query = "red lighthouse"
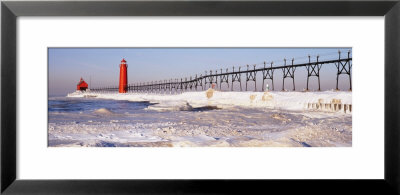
(123, 76)
(82, 85)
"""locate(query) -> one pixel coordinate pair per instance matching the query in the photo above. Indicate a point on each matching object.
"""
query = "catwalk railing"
(343, 65)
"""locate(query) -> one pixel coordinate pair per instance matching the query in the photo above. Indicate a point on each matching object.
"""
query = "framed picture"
(68, 153)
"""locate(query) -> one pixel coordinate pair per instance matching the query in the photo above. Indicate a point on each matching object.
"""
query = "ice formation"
(209, 118)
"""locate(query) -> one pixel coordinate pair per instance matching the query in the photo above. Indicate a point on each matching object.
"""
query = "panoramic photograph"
(200, 97)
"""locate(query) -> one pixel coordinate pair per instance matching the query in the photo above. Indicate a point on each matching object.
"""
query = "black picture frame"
(10, 10)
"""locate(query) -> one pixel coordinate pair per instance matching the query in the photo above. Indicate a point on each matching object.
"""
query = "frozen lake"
(193, 119)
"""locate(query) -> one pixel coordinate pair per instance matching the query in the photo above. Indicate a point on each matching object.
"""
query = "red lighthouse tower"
(123, 76)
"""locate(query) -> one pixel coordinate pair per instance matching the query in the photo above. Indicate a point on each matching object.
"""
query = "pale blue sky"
(67, 65)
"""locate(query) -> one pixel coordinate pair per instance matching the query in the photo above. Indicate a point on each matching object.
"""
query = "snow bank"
(338, 101)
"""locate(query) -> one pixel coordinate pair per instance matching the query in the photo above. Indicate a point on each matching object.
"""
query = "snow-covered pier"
(328, 101)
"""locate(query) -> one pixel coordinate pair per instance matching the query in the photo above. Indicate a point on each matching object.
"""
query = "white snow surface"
(191, 119)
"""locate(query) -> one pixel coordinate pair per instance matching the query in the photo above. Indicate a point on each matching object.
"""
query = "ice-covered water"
(127, 120)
